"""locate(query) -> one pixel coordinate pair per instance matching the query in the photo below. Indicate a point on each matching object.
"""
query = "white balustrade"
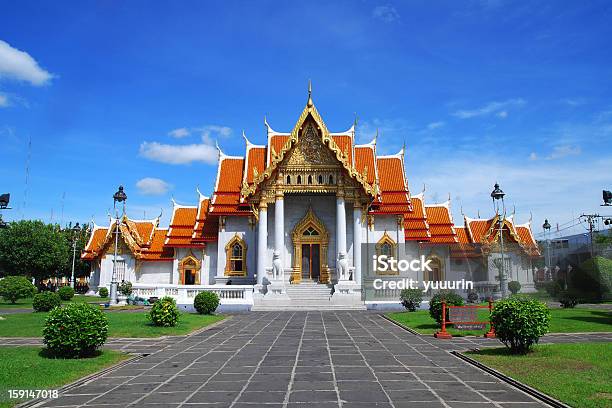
(184, 294)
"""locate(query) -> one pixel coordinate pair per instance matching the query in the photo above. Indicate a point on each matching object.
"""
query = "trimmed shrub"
(553, 288)
(65, 293)
(472, 297)
(568, 299)
(103, 292)
(206, 302)
(125, 288)
(164, 312)
(76, 330)
(45, 301)
(13, 288)
(435, 303)
(514, 287)
(592, 280)
(520, 322)
(411, 299)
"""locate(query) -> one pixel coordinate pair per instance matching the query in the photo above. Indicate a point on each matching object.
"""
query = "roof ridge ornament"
(309, 103)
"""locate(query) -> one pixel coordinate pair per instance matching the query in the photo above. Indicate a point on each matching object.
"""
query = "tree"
(33, 248)
(13, 288)
(81, 268)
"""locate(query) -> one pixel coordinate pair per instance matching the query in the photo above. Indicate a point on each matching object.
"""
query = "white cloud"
(533, 156)
(498, 108)
(573, 101)
(206, 132)
(386, 13)
(179, 154)
(4, 101)
(19, 65)
(179, 133)
(435, 125)
(152, 186)
(560, 152)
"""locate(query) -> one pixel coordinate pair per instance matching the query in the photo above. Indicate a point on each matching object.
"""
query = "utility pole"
(592, 219)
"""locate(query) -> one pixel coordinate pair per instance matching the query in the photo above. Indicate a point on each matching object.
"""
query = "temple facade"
(296, 223)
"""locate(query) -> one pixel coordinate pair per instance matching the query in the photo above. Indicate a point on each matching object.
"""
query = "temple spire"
(309, 103)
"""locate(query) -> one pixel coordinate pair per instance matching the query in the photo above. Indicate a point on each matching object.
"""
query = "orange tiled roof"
(345, 144)
(392, 182)
(226, 198)
(157, 251)
(277, 142)
(416, 227)
(255, 159)
(364, 157)
(96, 240)
(441, 224)
(181, 227)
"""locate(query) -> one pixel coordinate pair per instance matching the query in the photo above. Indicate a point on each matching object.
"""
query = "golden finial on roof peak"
(309, 103)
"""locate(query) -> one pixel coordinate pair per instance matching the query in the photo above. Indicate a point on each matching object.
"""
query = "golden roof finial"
(309, 93)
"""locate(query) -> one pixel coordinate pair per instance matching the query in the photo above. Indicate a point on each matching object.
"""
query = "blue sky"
(113, 93)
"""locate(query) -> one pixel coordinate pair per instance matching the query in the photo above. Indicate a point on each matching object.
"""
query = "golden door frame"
(189, 262)
(298, 237)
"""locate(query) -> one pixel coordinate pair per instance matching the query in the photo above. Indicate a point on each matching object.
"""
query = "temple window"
(309, 179)
(120, 272)
(235, 251)
(331, 179)
(386, 246)
(299, 179)
(288, 179)
(320, 179)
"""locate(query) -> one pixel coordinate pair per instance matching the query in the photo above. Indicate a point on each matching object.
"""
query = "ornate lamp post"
(76, 230)
(546, 227)
(497, 195)
(120, 197)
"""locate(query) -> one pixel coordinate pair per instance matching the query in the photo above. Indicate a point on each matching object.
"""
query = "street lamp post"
(120, 197)
(546, 227)
(75, 236)
(497, 195)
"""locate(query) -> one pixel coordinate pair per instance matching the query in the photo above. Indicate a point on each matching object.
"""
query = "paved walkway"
(301, 359)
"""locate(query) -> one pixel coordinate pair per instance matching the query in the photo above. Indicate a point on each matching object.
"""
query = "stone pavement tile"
(262, 397)
(359, 386)
(313, 396)
(523, 405)
(363, 396)
(111, 398)
(313, 376)
(267, 385)
(402, 385)
(66, 400)
(312, 385)
(309, 405)
(459, 404)
(213, 396)
(507, 396)
(412, 395)
(222, 386)
(131, 388)
(458, 394)
(165, 397)
(418, 404)
(366, 405)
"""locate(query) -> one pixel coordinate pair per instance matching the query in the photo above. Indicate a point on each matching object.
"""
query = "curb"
(81, 381)
(517, 384)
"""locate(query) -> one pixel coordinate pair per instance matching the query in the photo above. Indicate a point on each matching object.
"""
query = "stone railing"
(184, 294)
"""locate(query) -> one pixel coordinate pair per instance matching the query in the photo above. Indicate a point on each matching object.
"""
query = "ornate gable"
(311, 150)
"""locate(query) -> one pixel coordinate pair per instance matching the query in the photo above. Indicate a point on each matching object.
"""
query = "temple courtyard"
(298, 359)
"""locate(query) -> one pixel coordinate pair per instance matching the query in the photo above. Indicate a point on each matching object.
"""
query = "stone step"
(297, 307)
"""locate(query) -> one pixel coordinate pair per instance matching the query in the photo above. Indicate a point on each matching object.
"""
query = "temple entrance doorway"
(311, 265)
(310, 242)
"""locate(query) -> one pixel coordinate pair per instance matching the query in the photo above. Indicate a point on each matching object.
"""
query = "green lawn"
(120, 324)
(24, 368)
(27, 303)
(563, 321)
(577, 374)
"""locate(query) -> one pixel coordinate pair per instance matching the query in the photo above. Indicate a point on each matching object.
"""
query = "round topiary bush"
(472, 297)
(76, 330)
(125, 288)
(45, 301)
(435, 303)
(103, 292)
(514, 287)
(164, 312)
(13, 288)
(65, 293)
(411, 299)
(520, 322)
(568, 299)
(206, 302)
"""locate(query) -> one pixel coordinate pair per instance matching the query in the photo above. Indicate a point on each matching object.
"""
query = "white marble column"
(262, 242)
(357, 228)
(341, 262)
(279, 232)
